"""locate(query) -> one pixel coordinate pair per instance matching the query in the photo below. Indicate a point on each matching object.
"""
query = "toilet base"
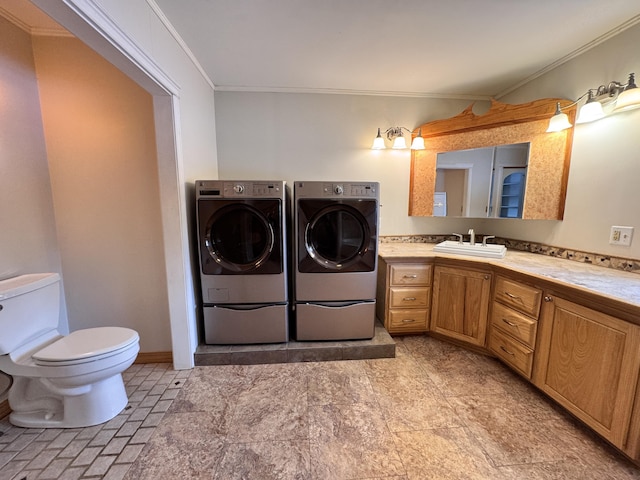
(104, 400)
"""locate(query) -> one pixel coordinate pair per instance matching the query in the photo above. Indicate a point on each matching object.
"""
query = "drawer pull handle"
(507, 351)
(512, 296)
(411, 276)
(511, 324)
(408, 320)
(409, 299)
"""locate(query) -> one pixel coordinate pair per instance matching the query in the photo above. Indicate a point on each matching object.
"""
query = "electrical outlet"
(621, 235)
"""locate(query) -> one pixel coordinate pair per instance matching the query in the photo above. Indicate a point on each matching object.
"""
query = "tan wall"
(27, 224)
(99, 130)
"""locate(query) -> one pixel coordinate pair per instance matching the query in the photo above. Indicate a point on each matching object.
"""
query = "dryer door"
(240, 237)
(337, 235)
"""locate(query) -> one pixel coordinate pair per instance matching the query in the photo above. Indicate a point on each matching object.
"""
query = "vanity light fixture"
(559, 121)
(395, 135)
(591, 110)
(611, 98)
(418, 142)
(629, 98)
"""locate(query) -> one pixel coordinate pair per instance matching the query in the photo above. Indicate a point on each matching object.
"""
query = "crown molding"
(633, 21)
(34, 31)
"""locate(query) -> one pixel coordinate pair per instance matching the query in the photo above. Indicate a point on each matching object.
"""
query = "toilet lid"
(87, 344)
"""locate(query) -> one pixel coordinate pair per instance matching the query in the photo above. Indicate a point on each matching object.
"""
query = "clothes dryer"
(336, 259)
(242, 242)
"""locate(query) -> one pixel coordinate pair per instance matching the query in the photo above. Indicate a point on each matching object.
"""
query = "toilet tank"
(29, 307)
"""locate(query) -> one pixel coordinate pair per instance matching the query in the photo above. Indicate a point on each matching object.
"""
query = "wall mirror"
(481, 182)
(501, 164)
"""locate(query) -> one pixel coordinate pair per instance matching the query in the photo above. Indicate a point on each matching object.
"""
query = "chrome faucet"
(485, 238)
(472, 240)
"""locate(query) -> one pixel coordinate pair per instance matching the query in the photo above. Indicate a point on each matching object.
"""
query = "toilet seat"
(87, 345)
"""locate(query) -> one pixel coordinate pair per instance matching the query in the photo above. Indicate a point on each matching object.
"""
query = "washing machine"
(336, 259)
(242, 242)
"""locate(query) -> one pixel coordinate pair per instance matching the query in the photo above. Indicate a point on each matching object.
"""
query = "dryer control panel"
(351, 190)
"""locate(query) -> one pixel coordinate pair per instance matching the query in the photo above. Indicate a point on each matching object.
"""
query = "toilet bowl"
(59, 381)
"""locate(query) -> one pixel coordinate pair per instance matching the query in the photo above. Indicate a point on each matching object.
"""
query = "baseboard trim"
(4, 409)
(154, 357)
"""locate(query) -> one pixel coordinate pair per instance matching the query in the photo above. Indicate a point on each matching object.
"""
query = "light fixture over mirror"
(396, 136)
(612, 98)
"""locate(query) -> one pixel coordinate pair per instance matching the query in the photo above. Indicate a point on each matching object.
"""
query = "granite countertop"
(616, 284)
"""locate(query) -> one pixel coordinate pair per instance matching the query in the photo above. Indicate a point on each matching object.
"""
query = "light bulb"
(399, 143)
(378, 142)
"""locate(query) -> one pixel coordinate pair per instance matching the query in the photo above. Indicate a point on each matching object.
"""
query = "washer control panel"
(239, 189)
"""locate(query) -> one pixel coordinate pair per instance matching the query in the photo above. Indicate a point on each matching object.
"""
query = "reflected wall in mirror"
(536, 188)
(481, 182)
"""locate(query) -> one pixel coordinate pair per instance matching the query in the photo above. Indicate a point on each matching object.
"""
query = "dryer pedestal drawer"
(335, 320)
(244, 324)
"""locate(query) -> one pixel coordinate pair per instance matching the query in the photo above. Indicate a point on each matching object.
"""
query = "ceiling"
(439, 48)
(415, 47)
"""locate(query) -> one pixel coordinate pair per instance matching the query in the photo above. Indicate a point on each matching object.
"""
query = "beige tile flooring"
(434, 412)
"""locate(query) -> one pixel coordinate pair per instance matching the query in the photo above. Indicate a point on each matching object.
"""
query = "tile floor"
(104, 451)
(434, 412)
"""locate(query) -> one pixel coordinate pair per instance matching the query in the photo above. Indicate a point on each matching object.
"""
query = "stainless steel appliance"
(243, 268)
(336, 259)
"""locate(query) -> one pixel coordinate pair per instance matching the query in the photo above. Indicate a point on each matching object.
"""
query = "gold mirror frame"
(503, 124)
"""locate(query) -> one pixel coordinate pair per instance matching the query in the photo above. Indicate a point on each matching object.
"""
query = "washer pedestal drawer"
(246, 324)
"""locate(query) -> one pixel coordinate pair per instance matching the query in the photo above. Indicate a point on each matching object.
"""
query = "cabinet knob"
(548, 298)
(487, 277)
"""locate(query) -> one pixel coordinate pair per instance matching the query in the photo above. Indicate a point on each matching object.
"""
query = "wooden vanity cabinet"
(588, 362)
(460, 303)
(404, 296)
(514, 323)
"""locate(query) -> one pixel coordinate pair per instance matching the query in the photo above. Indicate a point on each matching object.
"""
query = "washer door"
(241, 237)
(337, 236)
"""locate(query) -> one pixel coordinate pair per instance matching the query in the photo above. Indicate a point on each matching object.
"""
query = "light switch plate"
(621, 235)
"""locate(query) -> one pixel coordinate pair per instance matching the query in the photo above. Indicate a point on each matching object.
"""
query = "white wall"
(28, 241)
(605, 167)
(287, 136)
(316, 136)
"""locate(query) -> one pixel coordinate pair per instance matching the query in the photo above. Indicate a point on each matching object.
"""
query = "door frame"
(85, 20)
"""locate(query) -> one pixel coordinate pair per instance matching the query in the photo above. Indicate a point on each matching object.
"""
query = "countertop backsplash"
(608, 261)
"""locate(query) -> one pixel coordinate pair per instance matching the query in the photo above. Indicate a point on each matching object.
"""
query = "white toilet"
(59, 381)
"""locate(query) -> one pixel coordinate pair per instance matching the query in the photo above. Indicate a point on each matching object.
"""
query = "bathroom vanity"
(570, 328)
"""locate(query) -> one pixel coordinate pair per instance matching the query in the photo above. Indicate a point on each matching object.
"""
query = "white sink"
(478, 250)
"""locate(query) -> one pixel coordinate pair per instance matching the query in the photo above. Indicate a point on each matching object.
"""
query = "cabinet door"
(589, 363)
(460, 304)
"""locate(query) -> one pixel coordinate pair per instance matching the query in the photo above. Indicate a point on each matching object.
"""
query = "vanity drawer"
(511, 352)
(411, 274)
(408, 297)
(515, 324)
(521, 297)
(410, 319)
